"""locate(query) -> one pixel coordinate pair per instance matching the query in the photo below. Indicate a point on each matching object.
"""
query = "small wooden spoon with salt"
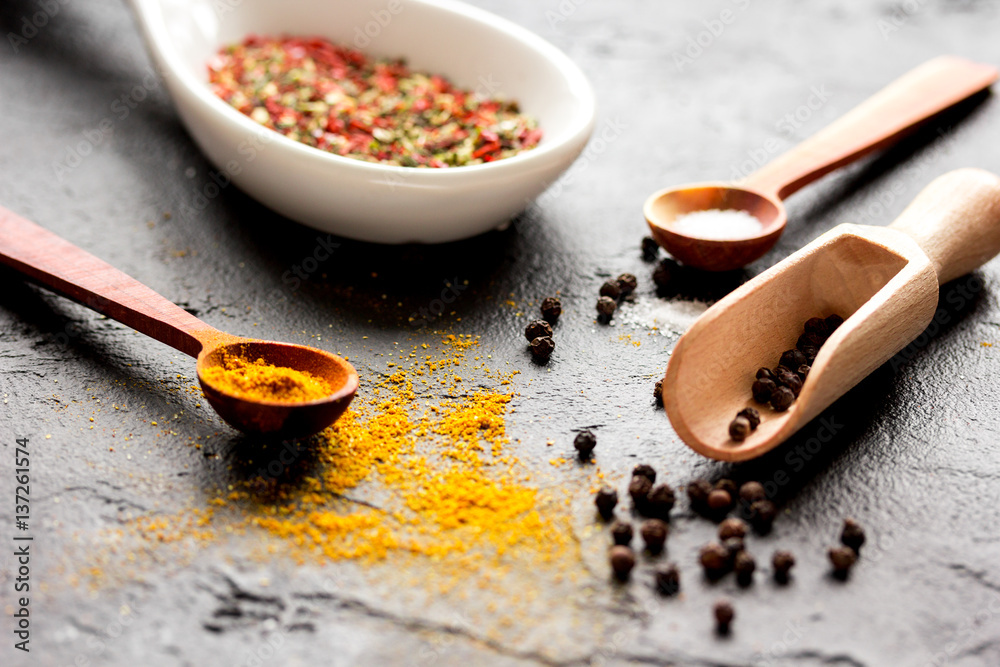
(883, 280)
(65, 269)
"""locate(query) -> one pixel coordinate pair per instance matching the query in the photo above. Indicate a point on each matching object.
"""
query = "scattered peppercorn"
(809, 340)
(658, 392)
(724, 615)
(584, 442)
(627, 284)
(728, 485)
(551, 309)
(752, 415)
(744, 566)
(606, 500)
(810, 352)
(719, 500)
(733, 546)
(621, 533)
(842, 559)
(645, 470)
(639, 488)
(751, 492)
(668, 579)
(782, 399)
(803, 371)
(715, 560)
(763, 389)
(782, 562)
(537, 329)
(732, 527)
(606, 307)
(793, 382)
(650, 248)
(541, 348)
(853, 535)
(654, 534)
(622, 561)
(611, 289)
(762, 515)
(764, 373)
(739, 429)
(697, 492)
(792, 359)
(663, 275)
(660, 501)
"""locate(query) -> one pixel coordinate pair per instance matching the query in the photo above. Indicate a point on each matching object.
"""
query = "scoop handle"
(893, 112)
(956, 221)
(57, 264)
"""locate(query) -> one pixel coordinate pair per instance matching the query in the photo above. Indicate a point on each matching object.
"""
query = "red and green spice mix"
(338, 100)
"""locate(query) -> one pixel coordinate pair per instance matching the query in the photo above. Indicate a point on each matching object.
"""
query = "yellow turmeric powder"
(261, 381)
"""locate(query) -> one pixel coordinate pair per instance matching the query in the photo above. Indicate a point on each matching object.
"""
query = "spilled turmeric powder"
(261, 381)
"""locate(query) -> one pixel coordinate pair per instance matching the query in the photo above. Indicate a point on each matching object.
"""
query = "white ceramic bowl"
(360, 200)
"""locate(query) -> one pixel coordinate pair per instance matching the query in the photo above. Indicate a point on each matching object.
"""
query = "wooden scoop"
(67, 270)
(882, 280)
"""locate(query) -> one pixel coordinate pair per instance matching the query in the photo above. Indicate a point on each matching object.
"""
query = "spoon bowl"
(882, 120)
(362, 200)
(289, 420)
(664, 207)
(883, 280)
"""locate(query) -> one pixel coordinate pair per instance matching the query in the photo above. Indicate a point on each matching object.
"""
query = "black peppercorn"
(541, 348)
(816, 325)
(724, 615)
(658, 392)
(842, 559)
(803, 371)
(833, 322)
(782, 562)
(739, 429)
(751, 492)
(639, 489)
(714, 559)
(606, 500)
(645, 470)
(810, 353)
(668, 579)
(793, 382)
(627, 284)
(719, 500)
(611, 289)
(584, 442)
(728, 485)
(650, 248)
(660, 501)
(697, 492)
(732, 528)
(663, 275)
(809, 340)
(537, 329)
(551, 309)
(606, 307)
(744, 565)
(654, 534)
(792, 359)
(782, 399)
(733, 546)
(762, 515)
(621, 533)
(622, 561)
(764, 373)
(853, 535)
(763, 389)
(752, 416)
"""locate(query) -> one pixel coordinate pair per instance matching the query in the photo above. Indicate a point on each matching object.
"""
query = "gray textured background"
(917, 460)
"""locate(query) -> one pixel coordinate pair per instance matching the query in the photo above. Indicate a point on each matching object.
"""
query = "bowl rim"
(581, 125)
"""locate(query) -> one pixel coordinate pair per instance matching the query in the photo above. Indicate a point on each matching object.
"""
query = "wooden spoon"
(883, 280)
(882, 120)
(67, 270)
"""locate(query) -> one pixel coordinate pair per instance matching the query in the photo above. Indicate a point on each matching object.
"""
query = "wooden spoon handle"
(956, 221)
(67, 270)
(893, 112)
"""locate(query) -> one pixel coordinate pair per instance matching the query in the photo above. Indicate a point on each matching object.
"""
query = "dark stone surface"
(915, 457)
